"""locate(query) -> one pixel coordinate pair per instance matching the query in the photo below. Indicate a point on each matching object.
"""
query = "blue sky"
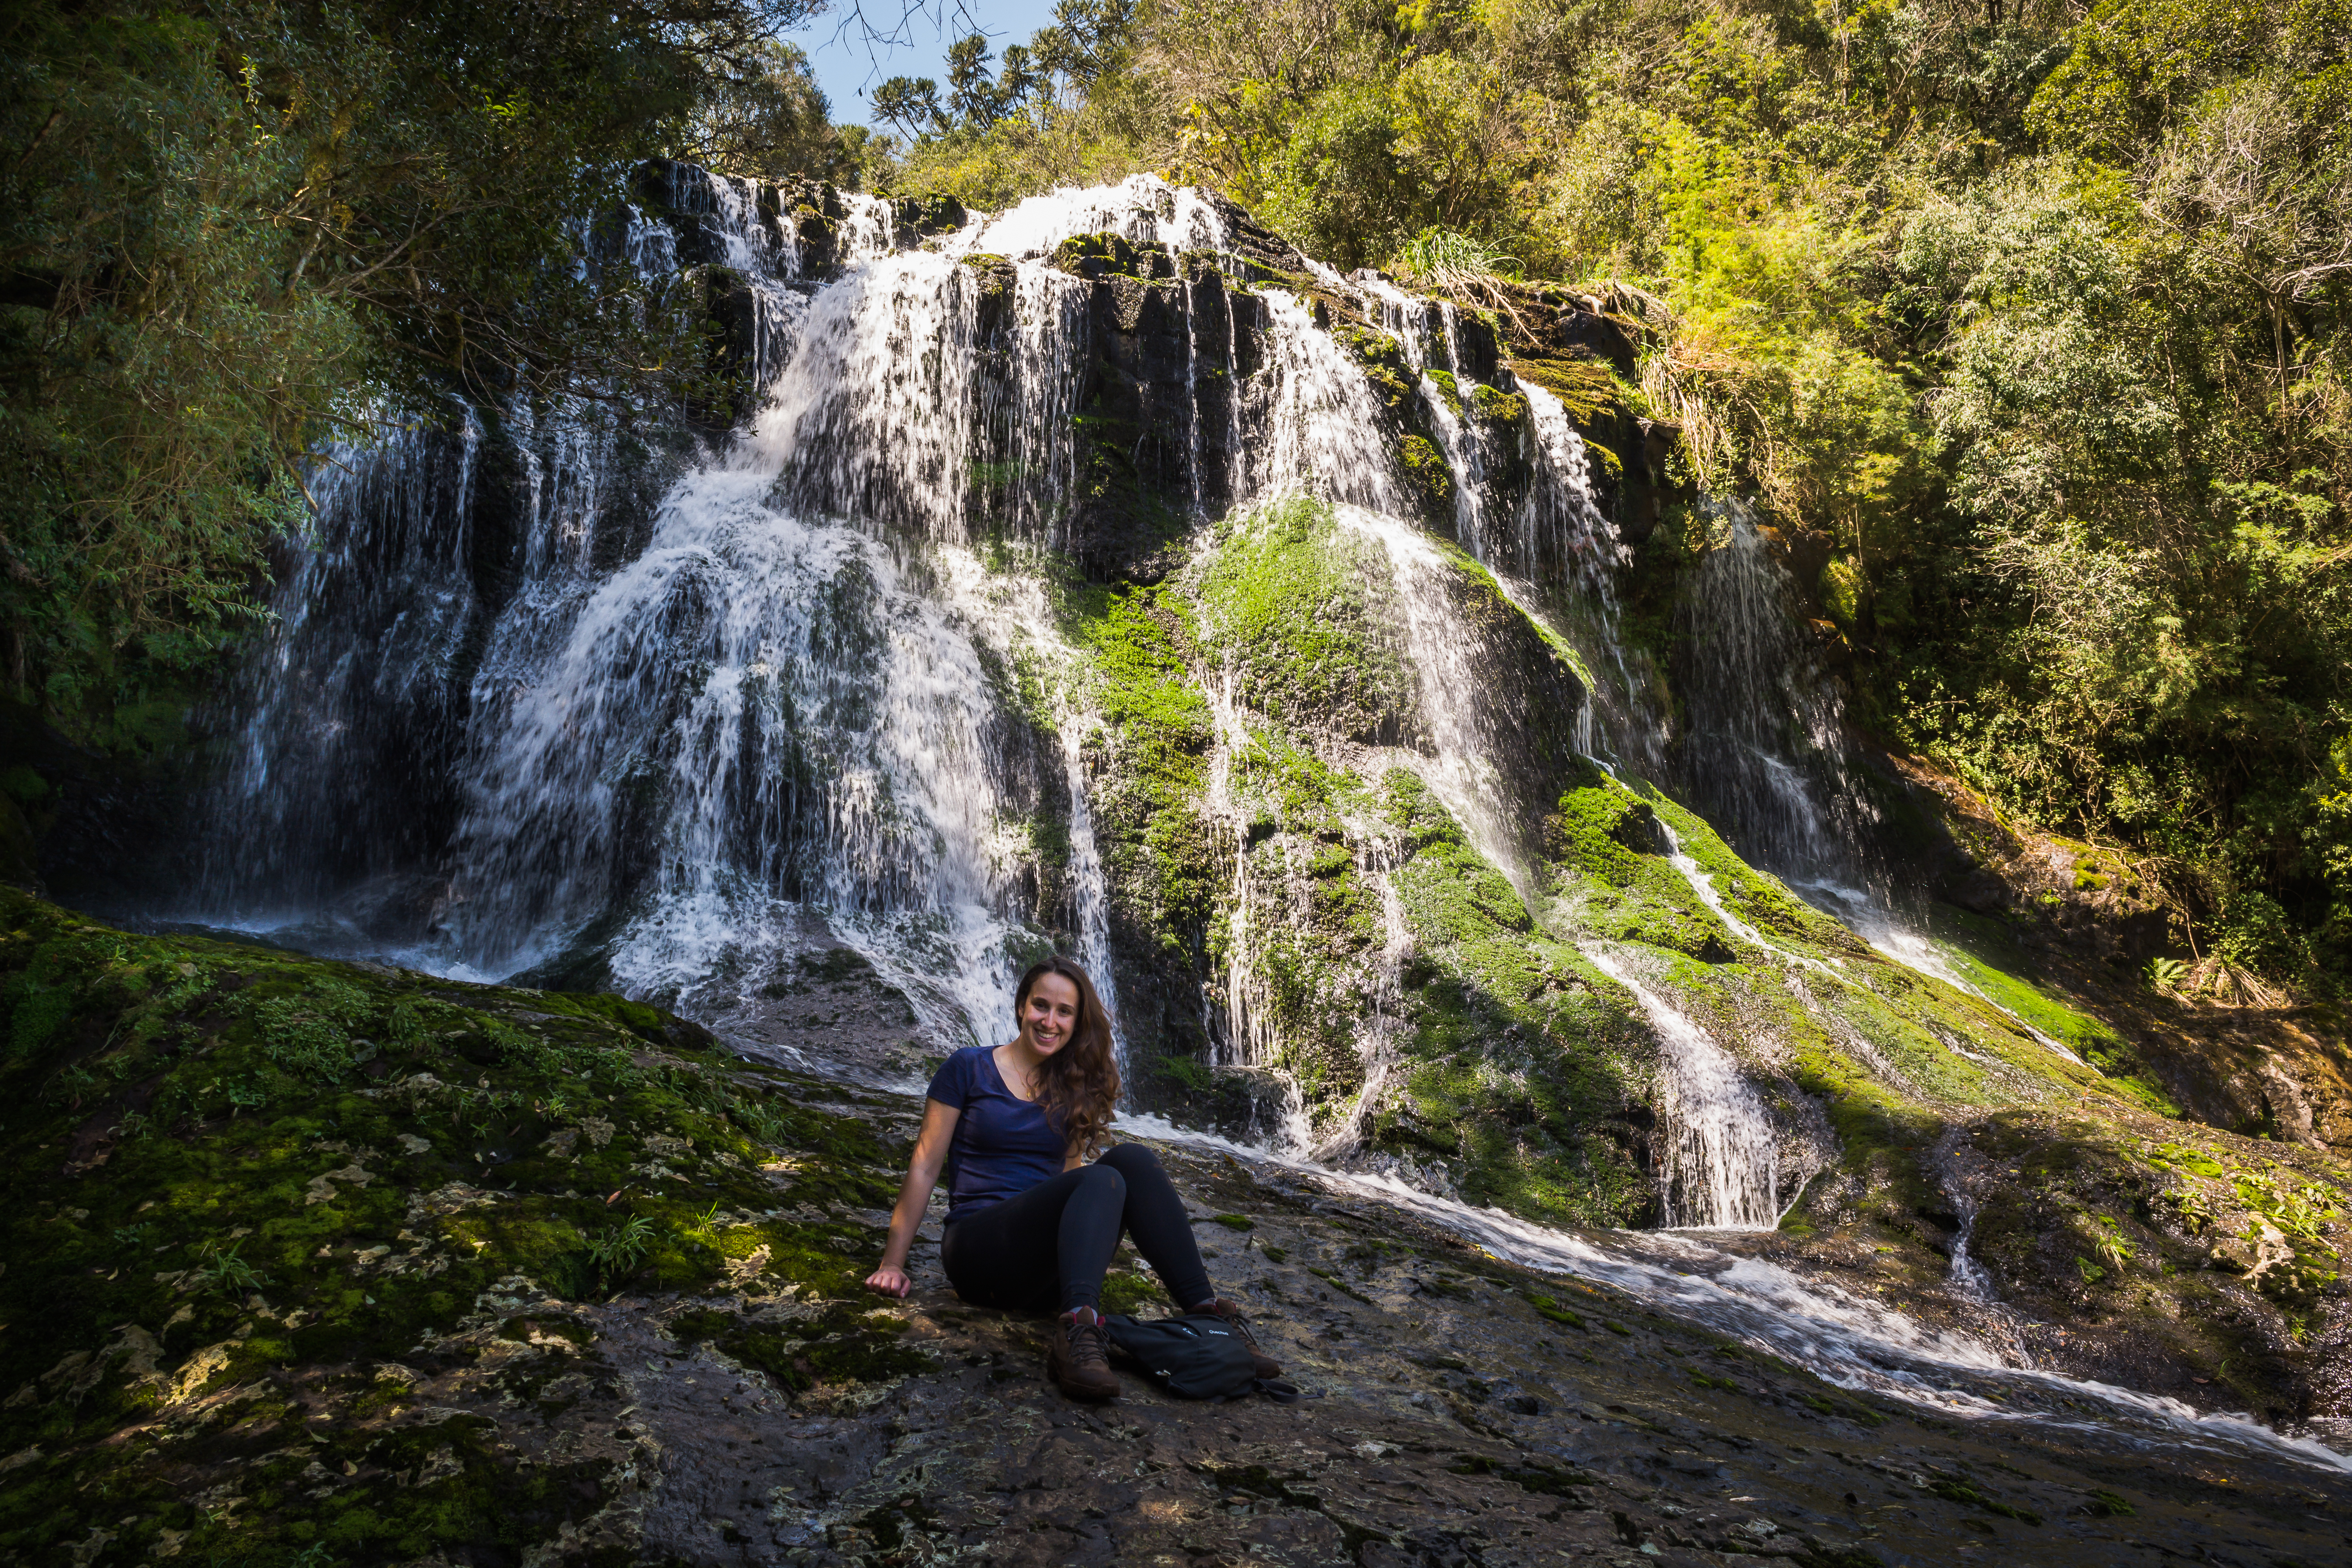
(849, 66)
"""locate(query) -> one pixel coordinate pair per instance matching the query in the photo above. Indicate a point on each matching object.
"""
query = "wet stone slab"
(1450, 1423)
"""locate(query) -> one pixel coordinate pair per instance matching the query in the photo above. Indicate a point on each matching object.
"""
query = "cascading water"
(1722, 1164)
(834, 746)
(1525, 510)
(765, 718)
(1768, 750)
(1765, 749)
(1460, 763)
(562, 697)
(1377, 1038)
(1087, 892)
(1702, 884)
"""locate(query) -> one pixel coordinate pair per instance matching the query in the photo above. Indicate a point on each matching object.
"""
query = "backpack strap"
(1280, 1390)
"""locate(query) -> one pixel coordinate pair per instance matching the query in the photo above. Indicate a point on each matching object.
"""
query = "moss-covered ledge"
(256, 1203)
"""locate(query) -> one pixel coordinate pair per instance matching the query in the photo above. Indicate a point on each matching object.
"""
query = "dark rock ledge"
(317, 1263)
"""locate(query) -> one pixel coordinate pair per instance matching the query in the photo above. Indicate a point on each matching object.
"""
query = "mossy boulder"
(2178, 1260)
(932, 213)
(1527, 1073)
(1427, 474)
(1110, 255)
(1304, 613)
(1607, 852)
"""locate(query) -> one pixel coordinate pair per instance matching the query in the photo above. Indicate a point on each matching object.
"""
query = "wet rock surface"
(1452, 1420)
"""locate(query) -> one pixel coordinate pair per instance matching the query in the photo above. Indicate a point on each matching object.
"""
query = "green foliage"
(1444, 259)
(307, 1034)
(219, 1268)
(1064, 108)
(2148, 438)
(760, 112)
(2033, 324)
(618, 1251)
(242, 231)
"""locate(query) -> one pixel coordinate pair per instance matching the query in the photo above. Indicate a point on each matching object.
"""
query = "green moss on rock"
(1495, 407)
(233, 1172)
(1426, 472)
(1157, 734)
(932, 213)
(1609, 876)
(1522, 1057)
(1302, 612)
(1382, 359)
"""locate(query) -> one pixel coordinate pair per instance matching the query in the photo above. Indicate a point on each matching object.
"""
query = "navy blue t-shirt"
(1004, 1145)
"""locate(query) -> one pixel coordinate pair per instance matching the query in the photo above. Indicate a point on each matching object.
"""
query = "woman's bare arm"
(914, 1194)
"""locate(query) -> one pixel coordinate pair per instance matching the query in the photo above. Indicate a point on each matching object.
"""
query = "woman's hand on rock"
(889, 1281)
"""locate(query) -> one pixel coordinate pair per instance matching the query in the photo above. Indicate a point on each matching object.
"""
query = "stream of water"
(1843, 1338)
(1721, 1168)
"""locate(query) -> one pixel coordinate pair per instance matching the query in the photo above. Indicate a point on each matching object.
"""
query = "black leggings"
(1011, 1254)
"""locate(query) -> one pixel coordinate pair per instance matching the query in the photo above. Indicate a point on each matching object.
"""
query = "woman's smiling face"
(1050, 1015)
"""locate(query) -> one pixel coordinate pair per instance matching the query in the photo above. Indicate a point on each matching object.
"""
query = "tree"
(234, 231)
(910, 104)
(762, 114)
(972, 95)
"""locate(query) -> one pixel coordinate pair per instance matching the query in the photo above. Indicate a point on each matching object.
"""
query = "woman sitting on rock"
(1031, 1226)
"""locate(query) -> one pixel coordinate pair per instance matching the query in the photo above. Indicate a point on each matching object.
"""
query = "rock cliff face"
(322, 1263)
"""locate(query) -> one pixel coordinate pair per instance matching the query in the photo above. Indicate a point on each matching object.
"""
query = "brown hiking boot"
(1230, 1312)
(1077, 1357)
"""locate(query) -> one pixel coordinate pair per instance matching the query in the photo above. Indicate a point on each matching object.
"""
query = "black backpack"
(1196, 1356)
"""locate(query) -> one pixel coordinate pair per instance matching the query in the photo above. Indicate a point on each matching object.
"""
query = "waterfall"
(1326, 426)
(695, 715)
(1722, 1164)
(1766, 750)
(691, 722)
(1090, 893)
(351, 691)
(669, 717)
(1450, 668)
(1562, 536)
(832, 743)
(581, 698)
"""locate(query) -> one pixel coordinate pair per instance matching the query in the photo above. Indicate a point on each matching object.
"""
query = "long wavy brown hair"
(1077, 1086)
